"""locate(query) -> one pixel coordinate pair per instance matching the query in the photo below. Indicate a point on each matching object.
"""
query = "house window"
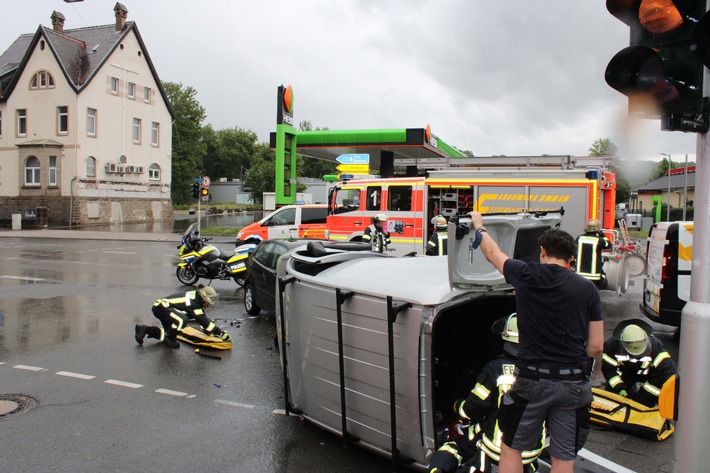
(131, 90)
(146, 94)
(137, 130)
(32, 171)
(154, 172)
(21, 122)
(114, 85)
(62, 120)
(91, 122)
(42, 80)
(154, 133)
(52, 170)
(90, 166)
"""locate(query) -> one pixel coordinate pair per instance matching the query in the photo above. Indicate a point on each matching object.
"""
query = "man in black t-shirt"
(561, 328)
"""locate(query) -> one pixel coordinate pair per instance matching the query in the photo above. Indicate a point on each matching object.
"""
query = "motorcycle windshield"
(190, 230)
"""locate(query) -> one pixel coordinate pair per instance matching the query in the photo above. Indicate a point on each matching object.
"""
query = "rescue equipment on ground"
(198, 338)
(615, 411)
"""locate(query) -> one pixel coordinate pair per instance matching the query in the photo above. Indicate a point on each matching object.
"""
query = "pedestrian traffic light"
(661, 72)
(196, 190)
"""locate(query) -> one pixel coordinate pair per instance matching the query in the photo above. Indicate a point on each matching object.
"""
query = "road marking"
(29, 368)
(281, 412)
(235, 404)
(69, 374)
(170, 393)
(21, 278)
(121, 252)
(125, 384)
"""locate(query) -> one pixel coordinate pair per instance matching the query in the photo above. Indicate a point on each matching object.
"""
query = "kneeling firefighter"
(478, 446)
(174, 313)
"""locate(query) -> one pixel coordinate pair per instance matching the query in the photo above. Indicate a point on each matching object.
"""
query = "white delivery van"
(290, 221)
(666, 284)
(377, 348)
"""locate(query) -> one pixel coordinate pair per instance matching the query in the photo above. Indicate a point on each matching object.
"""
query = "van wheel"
(249, 303)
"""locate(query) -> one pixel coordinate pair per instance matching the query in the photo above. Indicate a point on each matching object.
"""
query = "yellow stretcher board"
(200, 339)
(617, 412)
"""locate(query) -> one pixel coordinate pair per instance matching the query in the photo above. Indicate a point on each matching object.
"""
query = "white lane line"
(29, 368)
(281, 412)
(125, 384)
(235, 404)
(21, 278)
(170, 392)
(121, 252)
(69, 374)
(2, 362)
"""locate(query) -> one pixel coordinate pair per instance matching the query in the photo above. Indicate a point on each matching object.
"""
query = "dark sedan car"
(260, 280)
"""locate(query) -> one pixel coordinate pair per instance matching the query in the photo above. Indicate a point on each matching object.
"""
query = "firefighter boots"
(140, 333)
(171, 339)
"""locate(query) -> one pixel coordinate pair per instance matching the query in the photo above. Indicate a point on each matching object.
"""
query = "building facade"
(85, 127)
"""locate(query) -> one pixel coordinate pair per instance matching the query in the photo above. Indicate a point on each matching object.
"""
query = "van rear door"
(468, 268)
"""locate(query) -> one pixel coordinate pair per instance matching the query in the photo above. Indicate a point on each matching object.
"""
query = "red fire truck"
(411, 203)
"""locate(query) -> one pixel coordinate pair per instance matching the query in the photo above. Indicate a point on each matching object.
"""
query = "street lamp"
(668, 207)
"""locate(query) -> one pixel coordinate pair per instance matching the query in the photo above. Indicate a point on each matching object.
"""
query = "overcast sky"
(493, 77)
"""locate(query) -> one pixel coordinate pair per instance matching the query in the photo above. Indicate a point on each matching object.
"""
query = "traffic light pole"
(691, 452)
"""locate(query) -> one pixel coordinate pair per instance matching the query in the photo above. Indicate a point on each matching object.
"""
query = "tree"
(603, 147)
(188, 148)
(229, 151)
(313, 167)
(261, 176)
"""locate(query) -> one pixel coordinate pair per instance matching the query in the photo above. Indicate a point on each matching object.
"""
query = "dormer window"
(42, 80)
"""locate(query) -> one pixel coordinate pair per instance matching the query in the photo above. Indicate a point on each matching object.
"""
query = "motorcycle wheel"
(249, 304)
(186, 275)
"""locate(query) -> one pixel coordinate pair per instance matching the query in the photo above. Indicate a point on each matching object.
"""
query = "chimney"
(57, 22)
(121, 14)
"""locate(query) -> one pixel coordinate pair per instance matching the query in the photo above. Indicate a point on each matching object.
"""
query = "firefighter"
(376, 234)
(635, 364)
(589, 253)
(478, 444)
(437, 242)
(175, 311)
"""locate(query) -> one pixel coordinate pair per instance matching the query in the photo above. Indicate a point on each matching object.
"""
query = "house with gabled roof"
(85, 127)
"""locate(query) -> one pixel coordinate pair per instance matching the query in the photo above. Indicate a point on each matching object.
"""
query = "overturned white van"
(377, 348)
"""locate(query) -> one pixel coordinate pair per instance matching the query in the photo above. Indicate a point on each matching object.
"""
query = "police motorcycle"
(201, 259)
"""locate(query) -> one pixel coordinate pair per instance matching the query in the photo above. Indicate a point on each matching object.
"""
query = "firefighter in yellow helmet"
(377, 234)
(176, 311)
(635, 364)
(589, 253)
(437, 244)
(474, 441)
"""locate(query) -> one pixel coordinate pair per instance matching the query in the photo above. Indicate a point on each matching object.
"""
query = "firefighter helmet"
(634, 340)
(440, 223)
(593, 225)
(507, 328)
(207, 294)
(379, 218)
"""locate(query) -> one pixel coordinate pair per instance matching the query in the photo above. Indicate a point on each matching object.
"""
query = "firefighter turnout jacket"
(377, 237)
(179, 309)
(436, 246)
(589, 254)
(482, 439)
(642, 376)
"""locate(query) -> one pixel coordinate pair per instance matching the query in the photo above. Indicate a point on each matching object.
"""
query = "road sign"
(354, 168)
(205, 181)
(354, 158)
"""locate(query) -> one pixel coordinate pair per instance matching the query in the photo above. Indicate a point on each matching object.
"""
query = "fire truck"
(412, 203)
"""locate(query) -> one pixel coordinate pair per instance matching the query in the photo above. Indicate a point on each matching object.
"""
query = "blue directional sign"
(354, 158)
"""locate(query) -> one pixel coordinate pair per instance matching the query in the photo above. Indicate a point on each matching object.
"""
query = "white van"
(289, 221)
(669, 258)
(377, 348)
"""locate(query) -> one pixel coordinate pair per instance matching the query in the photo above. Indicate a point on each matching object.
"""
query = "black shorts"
(562, 405)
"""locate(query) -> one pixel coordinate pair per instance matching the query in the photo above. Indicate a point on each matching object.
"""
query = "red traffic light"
(654, 16)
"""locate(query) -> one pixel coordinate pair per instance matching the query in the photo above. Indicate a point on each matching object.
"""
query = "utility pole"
(668, 206)
(685, 187)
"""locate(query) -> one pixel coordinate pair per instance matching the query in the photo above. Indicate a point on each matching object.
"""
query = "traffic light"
(662, 69)
(196, 190)
(205, 193)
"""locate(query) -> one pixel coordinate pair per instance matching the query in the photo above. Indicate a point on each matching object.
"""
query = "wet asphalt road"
(67, 311)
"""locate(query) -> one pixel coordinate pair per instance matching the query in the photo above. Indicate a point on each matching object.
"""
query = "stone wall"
(55, 212)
